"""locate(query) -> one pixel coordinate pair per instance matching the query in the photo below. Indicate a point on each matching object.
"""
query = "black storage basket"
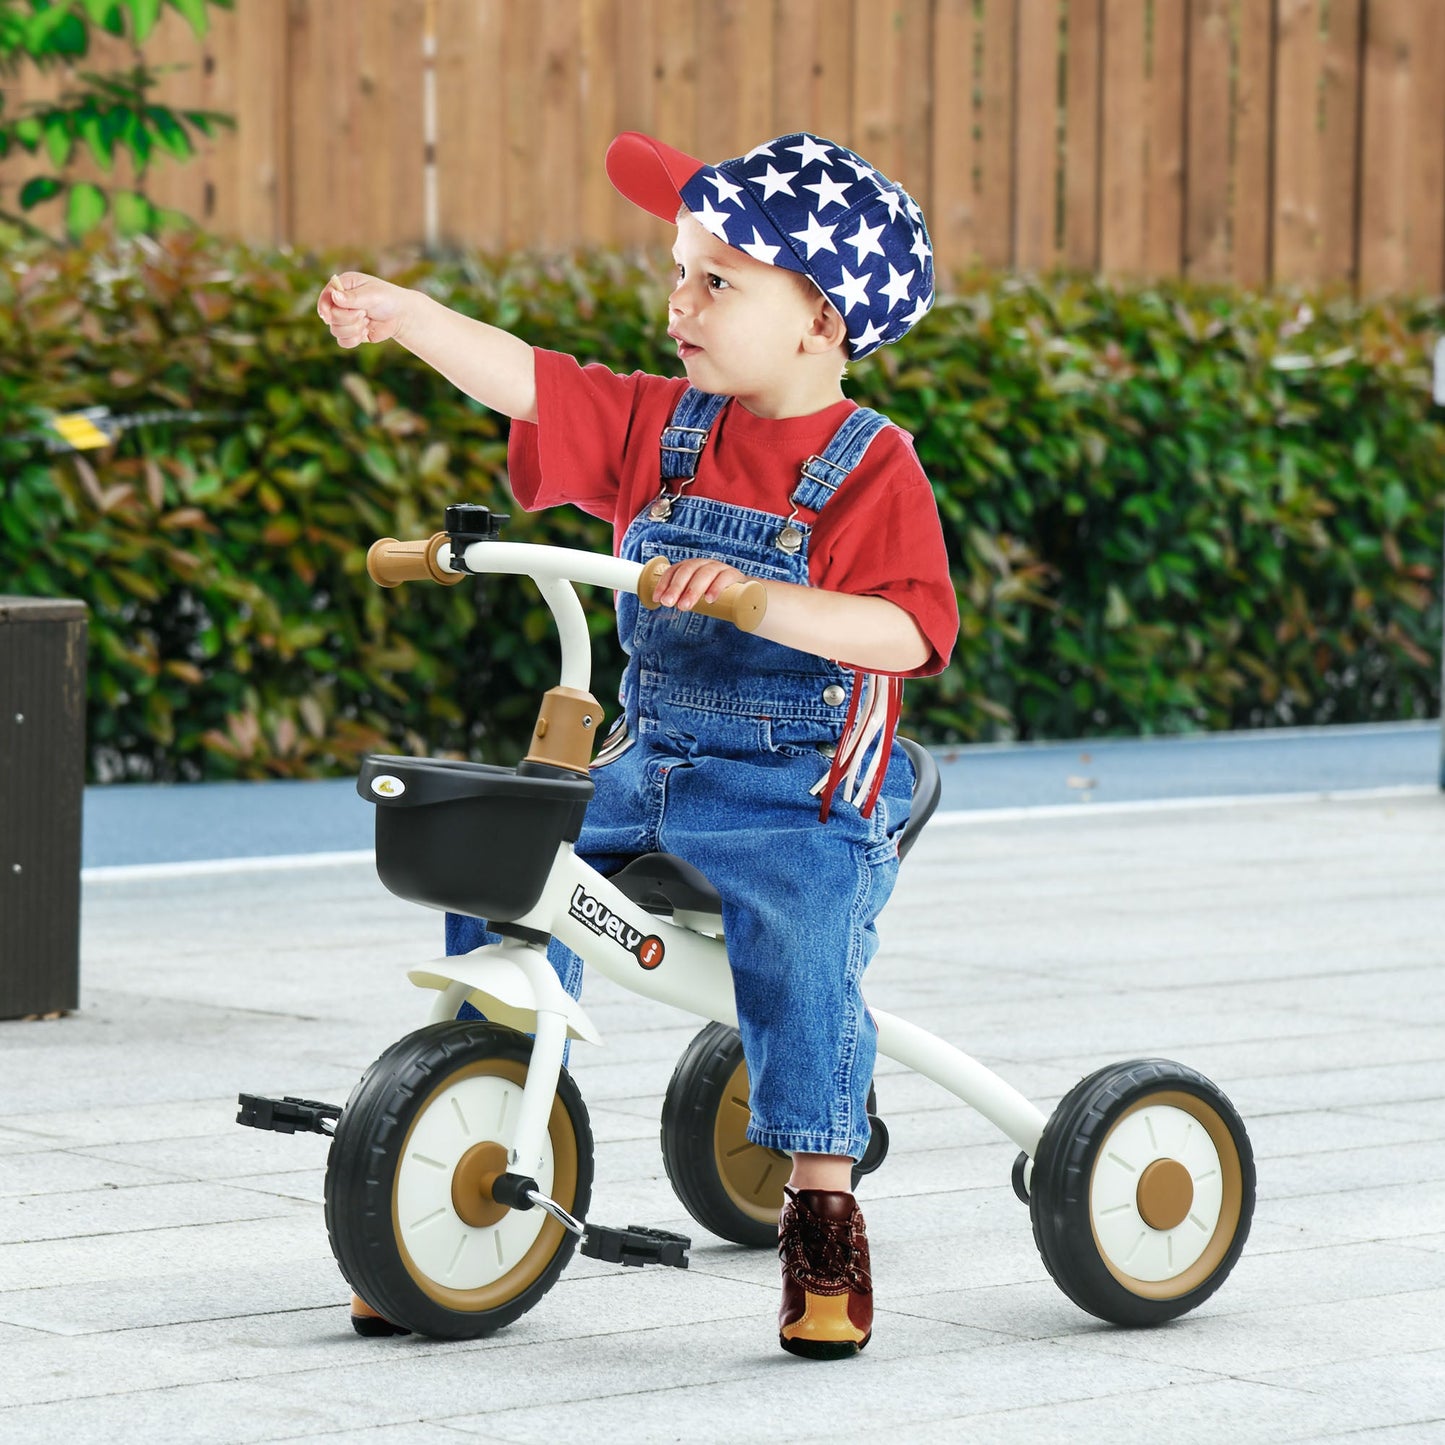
(469, 837)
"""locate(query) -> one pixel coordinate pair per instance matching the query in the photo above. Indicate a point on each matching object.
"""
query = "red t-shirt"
(596, 444)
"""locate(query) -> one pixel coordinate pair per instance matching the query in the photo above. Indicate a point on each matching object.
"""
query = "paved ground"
(165, 1276)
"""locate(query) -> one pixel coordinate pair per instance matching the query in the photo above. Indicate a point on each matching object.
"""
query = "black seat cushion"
(662, 883)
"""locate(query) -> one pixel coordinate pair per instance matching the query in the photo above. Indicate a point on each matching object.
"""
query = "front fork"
(525, 1151)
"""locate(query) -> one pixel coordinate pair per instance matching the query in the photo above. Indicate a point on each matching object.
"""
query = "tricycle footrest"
(635, 1245)
(289, 1115)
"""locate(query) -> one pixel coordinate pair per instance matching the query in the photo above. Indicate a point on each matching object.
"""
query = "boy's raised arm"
(489, 364)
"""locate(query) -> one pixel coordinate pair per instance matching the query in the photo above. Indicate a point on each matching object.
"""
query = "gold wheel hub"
(472, 1182)
(1166, 1193)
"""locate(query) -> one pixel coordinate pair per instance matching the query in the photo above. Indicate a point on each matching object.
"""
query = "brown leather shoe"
(827, 1309)
(366, 1321)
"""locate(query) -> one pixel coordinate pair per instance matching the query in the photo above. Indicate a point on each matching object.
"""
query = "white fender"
(500, 984)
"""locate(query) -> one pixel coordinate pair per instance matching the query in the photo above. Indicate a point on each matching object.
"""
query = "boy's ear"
(825, 328)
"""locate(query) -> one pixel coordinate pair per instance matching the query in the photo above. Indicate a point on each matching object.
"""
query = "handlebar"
(389, 563)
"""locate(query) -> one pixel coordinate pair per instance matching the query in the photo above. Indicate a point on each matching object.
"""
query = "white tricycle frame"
(1140, 1184)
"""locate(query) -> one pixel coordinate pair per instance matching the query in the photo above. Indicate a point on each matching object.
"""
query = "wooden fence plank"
(1121, 174)
(1425, 250)
(523, 182)
(914, 99)
(1036, 151)
(1298, 219)
(876, 61)
(1207, 157)
(324, 144)
(1164, 142)
(813, 72)
(1339, 144)
(557, 120)
(637, 61)
(390, 123)
(1082, 82)
(1252, 231)
(1385, 146)
(951, 210)
(995, 122)
(599, 65)
(734, 78)
(471, 122)
(675, 117)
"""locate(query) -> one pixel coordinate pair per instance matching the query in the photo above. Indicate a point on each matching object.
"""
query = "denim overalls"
(726, 738)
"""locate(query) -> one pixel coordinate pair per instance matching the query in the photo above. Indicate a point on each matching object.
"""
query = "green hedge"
(1167, 508)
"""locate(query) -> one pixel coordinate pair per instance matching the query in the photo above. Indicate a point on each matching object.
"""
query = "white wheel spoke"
(1157, 1132)
(445, 1248)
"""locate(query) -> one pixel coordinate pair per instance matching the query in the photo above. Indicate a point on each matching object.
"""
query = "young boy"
(765, 760)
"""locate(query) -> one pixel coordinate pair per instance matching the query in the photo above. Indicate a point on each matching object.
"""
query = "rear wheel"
(409, 1208)
(1142, 1191)
(731, 1186)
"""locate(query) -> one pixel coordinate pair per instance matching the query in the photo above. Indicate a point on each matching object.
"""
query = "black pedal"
(635, 1245)
(287, 1116)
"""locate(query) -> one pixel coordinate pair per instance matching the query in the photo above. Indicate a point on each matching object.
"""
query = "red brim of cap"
(649, 173)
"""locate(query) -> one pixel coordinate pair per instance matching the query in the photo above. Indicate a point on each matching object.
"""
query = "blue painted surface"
(138, 823)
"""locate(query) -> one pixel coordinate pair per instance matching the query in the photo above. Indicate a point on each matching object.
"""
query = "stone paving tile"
(140, 1207)
(225, 1291)
(1289, 1338)
(256, 1229)
(1239, 1411)
(234, 1153)
(891, 1396)
(1363, 1394)
(1348, 1169)
(1426, 1114)
(1293, 1133)
(1368, 1213)
(61, 1171)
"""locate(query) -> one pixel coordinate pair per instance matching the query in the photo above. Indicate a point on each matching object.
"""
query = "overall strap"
(824, 474)
(684, 437)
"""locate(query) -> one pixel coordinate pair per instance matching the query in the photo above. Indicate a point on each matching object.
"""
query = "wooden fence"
(1258, 141)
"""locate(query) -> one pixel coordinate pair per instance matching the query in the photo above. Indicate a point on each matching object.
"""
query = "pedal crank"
(636, 1245)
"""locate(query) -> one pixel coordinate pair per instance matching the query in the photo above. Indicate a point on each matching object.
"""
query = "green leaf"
(196, 14)
(94, 133)
(39, 189)
(134, 214)
(85, 209)
(144, 14)
(59, 141)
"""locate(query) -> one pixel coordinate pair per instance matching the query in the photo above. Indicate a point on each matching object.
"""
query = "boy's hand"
(358, 308)
(686, 583)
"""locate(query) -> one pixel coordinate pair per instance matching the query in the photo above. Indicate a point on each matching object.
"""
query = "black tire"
(1142, 1191)
(501, 1262)
(731, 1186)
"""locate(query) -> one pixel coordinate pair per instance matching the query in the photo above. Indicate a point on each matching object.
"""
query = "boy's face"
(738, 322)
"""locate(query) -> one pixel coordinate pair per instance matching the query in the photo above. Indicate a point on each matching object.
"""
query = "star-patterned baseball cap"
(808, 205)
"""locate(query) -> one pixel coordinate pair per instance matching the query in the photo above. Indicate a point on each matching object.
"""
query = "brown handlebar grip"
(744, 604)
(389, 563)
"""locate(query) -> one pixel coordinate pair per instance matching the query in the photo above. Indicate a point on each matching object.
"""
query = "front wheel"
(1142, 1191)
(409, 1209)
